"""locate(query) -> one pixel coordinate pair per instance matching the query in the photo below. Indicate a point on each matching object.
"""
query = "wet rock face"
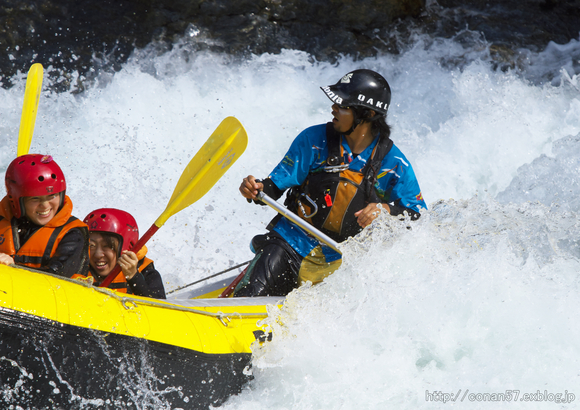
(529, 23)
(84, 35)
(72, 34)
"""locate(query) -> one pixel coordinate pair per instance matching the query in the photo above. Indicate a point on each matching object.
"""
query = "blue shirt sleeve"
(307, 152)
(397, 182)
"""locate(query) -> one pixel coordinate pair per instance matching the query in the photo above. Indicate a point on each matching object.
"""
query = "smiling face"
(343, 118)
(103, 253)
(41, 209)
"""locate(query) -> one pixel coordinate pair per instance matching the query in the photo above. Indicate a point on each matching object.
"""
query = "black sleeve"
(397, 209)
(72, 254)
(270, 189)
(147, 283)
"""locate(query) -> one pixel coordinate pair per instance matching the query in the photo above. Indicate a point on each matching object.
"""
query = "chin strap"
(355, 123)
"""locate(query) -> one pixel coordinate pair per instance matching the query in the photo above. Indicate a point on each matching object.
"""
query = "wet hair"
(378, 122)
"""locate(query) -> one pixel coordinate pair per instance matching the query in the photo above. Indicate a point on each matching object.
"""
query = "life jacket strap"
(41, 260)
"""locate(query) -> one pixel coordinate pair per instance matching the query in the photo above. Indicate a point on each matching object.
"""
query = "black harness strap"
(333, 141)
(22, 259)
(371, 168)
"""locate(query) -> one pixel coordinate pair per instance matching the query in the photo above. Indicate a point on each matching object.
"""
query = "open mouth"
(44, 213)
(101, 265)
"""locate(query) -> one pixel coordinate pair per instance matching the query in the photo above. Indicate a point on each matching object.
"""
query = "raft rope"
(219, 315)
(209, 277)
(125, 300)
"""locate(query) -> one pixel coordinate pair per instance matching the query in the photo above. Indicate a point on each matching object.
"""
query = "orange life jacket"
(120, 282)
(42, 244)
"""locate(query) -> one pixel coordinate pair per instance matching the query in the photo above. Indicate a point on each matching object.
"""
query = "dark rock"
(515, 22)
(85, 34)
(88, 36)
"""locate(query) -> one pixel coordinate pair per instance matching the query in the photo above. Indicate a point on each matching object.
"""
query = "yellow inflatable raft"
(66, 344)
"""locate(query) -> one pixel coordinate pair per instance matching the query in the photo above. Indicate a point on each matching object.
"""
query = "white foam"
(478, 295)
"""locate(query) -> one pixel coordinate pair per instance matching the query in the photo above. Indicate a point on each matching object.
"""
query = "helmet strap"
(356, 121)
(22, 208)
(61, 194)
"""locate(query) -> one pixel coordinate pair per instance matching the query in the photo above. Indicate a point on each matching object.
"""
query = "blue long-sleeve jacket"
(396, 181)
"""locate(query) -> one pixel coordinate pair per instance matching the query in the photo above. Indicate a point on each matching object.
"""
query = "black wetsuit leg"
(274, 269)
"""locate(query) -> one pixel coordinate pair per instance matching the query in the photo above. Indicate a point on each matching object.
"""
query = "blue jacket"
(396, 181)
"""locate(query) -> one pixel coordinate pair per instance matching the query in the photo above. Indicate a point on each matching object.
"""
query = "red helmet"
(32, 175)
(115, 221)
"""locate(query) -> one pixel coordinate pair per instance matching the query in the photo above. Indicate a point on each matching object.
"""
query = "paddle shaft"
(298, 221)
(140, 243)
(228, 291)
(292, 217)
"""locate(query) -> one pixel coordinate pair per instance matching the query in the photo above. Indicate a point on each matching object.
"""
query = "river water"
(479, 296)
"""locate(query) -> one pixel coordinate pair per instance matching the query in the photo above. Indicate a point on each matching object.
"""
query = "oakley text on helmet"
(361, 88)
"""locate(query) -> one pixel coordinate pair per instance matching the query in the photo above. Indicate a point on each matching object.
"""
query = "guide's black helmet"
(361, 88)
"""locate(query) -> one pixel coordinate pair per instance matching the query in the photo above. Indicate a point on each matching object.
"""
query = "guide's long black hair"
(378, 121)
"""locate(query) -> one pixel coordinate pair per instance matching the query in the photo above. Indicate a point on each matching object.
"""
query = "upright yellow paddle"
(29, 108)
(213, 159)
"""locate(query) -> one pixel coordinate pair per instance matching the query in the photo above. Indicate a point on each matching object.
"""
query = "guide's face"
(343, 118)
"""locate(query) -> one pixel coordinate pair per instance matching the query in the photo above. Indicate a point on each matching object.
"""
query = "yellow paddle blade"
(213, 159)
(29, 108)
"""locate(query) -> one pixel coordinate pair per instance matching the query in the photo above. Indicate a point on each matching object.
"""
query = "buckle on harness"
(336, 168)
(314, 206)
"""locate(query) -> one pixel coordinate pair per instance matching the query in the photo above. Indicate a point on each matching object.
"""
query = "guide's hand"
(250, 188)
(365, 216)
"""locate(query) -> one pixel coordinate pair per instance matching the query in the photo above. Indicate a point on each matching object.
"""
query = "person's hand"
(6, 259)
(128, 262)
(249, 187)
(365, 216)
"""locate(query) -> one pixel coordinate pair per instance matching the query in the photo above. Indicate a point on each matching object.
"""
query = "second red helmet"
(116, 221)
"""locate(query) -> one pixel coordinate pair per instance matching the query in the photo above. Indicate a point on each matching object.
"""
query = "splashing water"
(480, 294)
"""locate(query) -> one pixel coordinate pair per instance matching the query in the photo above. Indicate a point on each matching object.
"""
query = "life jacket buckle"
(312, 203)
